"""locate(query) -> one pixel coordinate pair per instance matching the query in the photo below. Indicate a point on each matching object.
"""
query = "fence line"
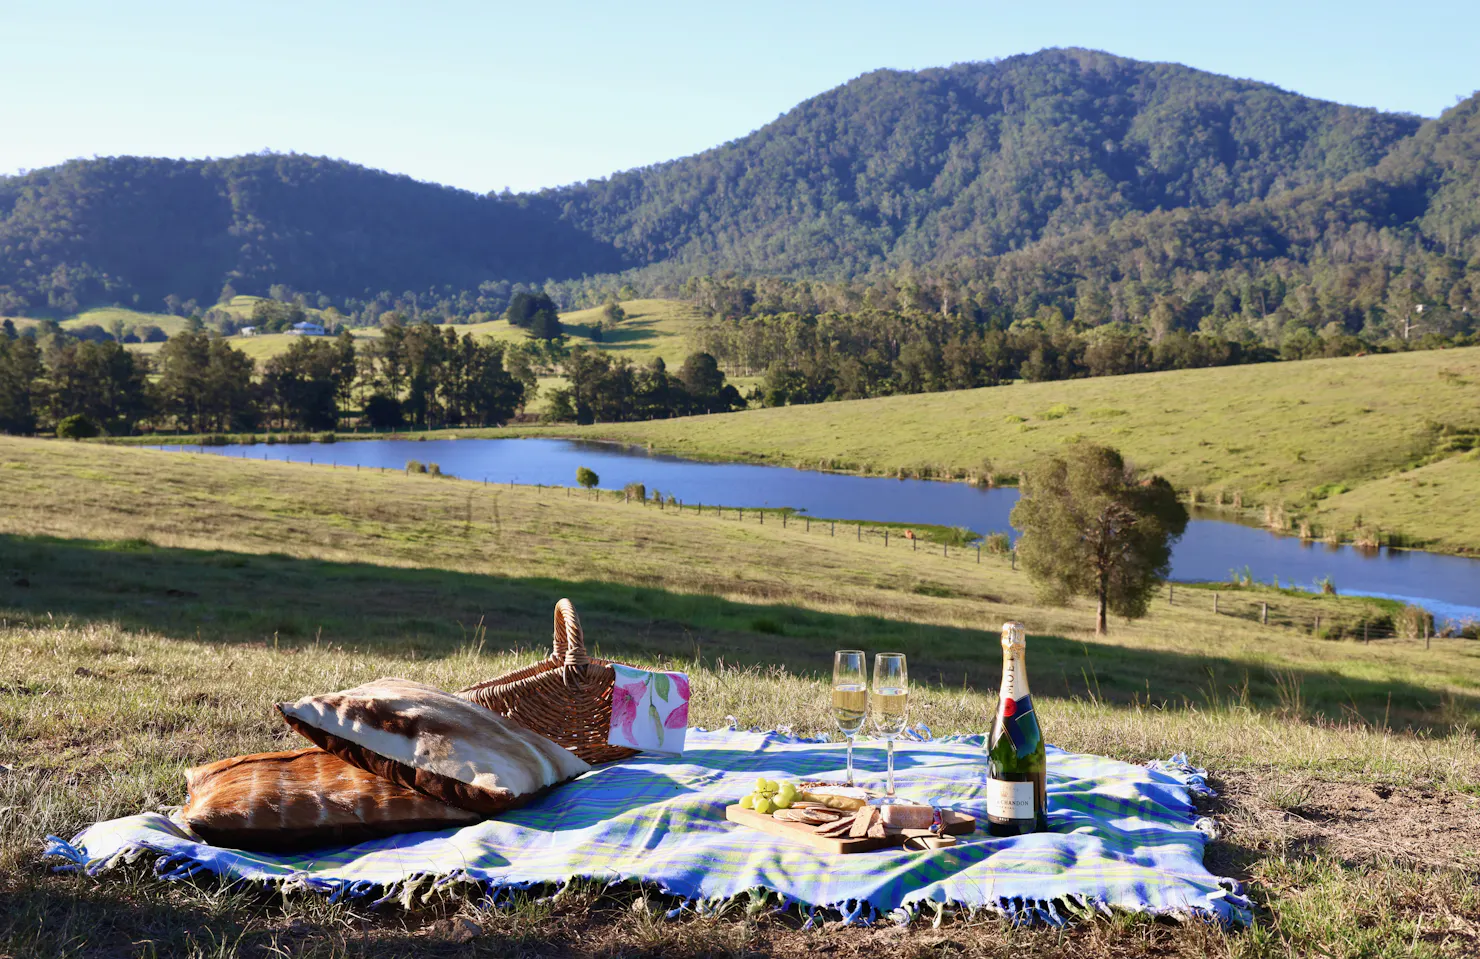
(1360, 627)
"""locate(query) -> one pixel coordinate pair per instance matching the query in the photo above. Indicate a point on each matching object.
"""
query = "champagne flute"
(887, 704)
(850, 696)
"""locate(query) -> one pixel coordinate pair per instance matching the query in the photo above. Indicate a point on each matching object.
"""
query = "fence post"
(742, 514)
(1318, 624)
(1426, 631)
(809, 525)
(860, 532)
(763, 517)
(1364, 632)
(1013, 555)
(1171, 594)
(834, 528)
(886, 539)
(943, 550)
(978, 556)
(783, 521)
(1263, 614)
(1215, 603)
(915, 545)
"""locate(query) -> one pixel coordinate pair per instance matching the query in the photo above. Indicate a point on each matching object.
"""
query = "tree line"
(842, 356)
(412, 374)
(198, 382)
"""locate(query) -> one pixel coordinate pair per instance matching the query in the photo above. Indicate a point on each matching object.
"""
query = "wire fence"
(1365, 624)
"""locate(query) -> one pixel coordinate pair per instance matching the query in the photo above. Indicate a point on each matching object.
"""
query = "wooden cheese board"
(954, 824)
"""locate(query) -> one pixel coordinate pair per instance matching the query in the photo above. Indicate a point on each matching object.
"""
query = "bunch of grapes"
(769, 796)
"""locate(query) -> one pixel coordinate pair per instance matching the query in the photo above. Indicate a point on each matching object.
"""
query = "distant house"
(247, 331)
(308, 329)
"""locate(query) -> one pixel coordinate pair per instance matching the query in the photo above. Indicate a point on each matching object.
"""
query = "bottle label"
(1009, 800)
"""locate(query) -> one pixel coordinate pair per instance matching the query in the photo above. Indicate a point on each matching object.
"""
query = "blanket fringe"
(1231, 905)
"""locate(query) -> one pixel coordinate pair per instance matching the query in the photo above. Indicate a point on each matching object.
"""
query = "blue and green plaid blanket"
(1121, 837)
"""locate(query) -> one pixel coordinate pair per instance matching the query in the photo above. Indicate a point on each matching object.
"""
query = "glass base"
(891, 801)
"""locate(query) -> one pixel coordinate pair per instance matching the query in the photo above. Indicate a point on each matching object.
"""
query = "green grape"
(760, 785)
(787, 792)
(782, 801)
(747, 801)
(764, 806)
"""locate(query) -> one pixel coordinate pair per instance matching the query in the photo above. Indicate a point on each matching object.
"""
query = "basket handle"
(570, 643)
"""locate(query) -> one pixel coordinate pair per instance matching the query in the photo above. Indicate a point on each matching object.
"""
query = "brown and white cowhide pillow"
(435, 743)
(304, 799)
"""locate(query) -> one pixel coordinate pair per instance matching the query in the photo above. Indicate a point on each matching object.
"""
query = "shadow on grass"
(136, 915)
(226, 597)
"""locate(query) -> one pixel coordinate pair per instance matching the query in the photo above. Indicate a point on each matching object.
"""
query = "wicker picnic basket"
(567, 697)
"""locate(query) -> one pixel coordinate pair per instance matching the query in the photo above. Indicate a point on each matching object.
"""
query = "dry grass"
(153, 606)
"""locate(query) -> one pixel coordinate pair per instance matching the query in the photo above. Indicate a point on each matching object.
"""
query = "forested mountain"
(975, 159)
(1056, 178)
(98, 231)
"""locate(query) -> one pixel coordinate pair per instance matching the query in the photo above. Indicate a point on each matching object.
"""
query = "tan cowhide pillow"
(304, 799)
(435, 743)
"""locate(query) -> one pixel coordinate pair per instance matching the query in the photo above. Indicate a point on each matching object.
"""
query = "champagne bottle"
(1017, 793)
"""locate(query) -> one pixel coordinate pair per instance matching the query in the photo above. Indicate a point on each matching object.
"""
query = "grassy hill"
(1382, 439)
(159, 603)
(652, 328)
(105, 316)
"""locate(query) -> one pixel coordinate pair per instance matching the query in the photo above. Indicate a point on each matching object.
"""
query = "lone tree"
(587, 477)
(1093, 527)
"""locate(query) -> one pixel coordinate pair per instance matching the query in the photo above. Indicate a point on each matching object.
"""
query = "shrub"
(415, 466)
(637, 491)
(1328, 586)
(1414, 622)
(1056, 412)
(433, 470)
(328, 438)
(998, 543)
(77, 427)
(587, 477)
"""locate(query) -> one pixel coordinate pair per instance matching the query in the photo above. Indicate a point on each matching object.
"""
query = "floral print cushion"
(650, 710)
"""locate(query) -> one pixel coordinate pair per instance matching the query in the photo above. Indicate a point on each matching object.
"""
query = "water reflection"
(1212, 549)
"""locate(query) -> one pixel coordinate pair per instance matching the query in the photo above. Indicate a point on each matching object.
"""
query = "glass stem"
(890, 782)
(850, 760)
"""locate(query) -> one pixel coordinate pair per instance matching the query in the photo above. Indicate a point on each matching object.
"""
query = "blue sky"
(487, 95)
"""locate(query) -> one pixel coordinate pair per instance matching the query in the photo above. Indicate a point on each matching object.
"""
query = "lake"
(1448, 586)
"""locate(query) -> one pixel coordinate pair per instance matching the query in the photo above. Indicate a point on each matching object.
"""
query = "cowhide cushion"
(435, 743)
(304, 799)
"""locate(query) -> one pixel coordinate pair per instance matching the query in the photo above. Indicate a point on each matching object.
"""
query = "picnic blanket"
(1121, 837)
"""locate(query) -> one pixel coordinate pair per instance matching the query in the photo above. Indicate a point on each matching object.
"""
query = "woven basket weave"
(566, 698)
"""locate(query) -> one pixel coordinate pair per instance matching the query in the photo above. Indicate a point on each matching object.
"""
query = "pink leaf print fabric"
(662, 696)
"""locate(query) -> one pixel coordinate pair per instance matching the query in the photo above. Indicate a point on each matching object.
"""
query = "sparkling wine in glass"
(850, 696)
(888, 706)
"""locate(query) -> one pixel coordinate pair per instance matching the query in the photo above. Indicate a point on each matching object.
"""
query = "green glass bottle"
(1017, 790)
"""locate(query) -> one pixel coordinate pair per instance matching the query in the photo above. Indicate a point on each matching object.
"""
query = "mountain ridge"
(893, 169)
